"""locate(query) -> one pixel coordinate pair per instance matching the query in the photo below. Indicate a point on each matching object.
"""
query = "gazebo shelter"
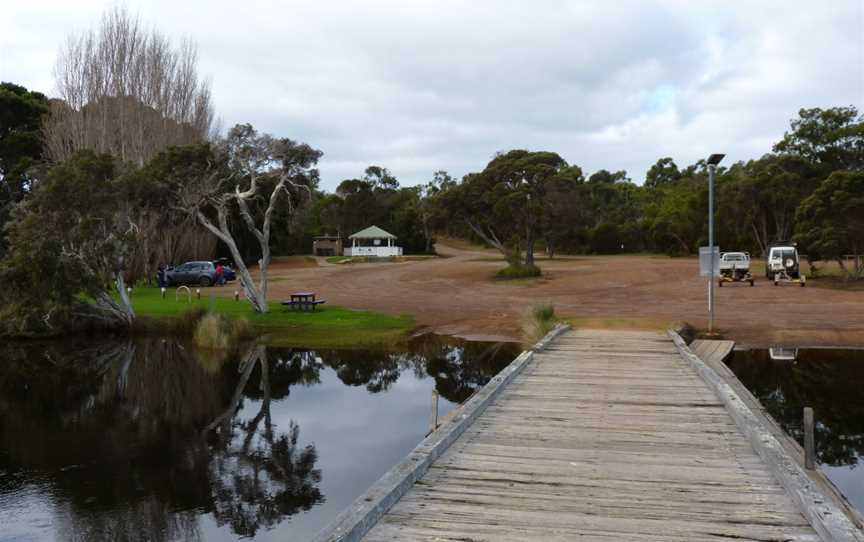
(373, 241)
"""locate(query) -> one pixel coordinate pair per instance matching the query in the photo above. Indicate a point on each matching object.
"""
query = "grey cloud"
(425, 85)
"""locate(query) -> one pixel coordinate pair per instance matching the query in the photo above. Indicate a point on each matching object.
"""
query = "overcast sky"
(418, 86)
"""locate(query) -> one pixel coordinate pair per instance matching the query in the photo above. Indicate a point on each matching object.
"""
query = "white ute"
(735, 267)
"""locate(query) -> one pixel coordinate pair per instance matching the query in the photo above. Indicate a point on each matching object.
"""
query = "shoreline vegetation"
(328, 326)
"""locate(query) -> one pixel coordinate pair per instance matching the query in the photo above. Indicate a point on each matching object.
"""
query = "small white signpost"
(705, 261)
(705, 270)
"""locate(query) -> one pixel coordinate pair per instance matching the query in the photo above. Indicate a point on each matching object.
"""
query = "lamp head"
(714, 159)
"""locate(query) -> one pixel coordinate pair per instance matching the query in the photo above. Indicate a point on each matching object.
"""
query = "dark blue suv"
(202, 273)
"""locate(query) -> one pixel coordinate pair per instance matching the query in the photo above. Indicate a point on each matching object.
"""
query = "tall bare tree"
(126, 91)
(251, 174)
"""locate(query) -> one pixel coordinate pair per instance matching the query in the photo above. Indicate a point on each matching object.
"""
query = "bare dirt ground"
(457, 295)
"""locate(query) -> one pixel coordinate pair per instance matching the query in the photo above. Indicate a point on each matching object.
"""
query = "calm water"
(830, 381)
(149, 440)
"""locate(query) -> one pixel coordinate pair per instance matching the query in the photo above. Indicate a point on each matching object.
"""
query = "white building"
(373, 241)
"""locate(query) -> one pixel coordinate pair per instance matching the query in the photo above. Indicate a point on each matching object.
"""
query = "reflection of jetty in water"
(147, 436)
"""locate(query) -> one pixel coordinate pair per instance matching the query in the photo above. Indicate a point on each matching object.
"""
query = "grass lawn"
(328, 326)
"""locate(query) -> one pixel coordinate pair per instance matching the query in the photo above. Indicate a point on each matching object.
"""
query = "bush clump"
(544, 313)
(540, 321)
(519, 271)
(215, 332)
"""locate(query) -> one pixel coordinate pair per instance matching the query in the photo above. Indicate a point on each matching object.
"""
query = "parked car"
(782, 258)
(202, 273)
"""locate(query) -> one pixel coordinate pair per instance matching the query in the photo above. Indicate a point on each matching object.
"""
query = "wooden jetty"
(601, 435)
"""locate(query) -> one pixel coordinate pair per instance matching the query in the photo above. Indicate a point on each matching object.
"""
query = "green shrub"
(519, 271)
(544, 313)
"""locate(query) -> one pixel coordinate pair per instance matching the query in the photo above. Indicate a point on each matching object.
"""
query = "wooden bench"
(304, 304)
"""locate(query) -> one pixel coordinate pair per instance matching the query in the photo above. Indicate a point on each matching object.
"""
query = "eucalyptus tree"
(832, 138)
(428, 204)
(504, 204)
(831, 221)
(247, 168)
(663, 173)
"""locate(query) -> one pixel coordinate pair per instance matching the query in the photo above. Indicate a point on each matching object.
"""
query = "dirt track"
(456, 295)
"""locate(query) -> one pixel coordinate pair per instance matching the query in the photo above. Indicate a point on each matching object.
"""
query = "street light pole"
(713, 160)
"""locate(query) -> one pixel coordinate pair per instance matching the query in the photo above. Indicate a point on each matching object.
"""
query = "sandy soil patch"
(457, 295)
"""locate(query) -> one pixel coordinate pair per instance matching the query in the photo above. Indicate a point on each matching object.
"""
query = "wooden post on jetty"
(809, 440)
(433, 414)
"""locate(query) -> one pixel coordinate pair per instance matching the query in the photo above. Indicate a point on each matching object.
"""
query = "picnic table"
(303, 301)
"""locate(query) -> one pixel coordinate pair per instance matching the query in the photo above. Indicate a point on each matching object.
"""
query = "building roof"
(372, 232)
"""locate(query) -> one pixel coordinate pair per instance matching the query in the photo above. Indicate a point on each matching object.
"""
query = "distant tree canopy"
(663, 173)
(758, 202)
(831, 220)
(832, 139)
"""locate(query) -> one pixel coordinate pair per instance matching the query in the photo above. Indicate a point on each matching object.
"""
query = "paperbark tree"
(250, 173)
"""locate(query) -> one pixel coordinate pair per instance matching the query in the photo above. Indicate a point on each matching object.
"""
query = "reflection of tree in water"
(111, 426)
(258, 476)
(459, 368)
(826, 380)
(377, 370)
(288, 367)
(118, 428)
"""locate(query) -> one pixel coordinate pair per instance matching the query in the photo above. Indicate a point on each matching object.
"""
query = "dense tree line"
(809, 188)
